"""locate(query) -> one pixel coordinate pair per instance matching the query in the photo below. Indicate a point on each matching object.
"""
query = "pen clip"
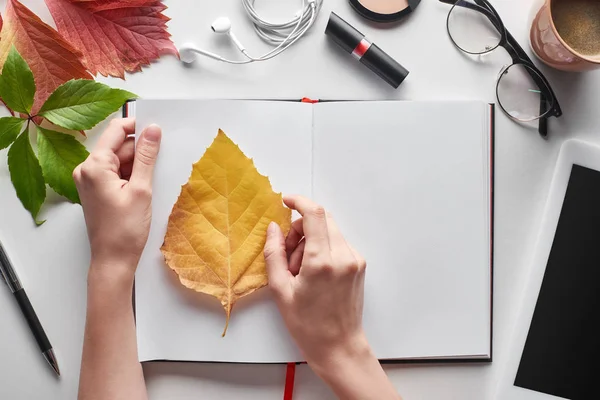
(3, 277)
(2, 266)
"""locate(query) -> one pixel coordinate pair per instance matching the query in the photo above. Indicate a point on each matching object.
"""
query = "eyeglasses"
(523, 92)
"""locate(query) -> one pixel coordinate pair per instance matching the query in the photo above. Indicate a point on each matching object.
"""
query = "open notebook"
(410, 185)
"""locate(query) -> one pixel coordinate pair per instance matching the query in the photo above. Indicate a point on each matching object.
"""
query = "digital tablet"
(555, 348)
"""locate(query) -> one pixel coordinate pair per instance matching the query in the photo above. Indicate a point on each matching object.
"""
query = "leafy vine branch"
(76, 105)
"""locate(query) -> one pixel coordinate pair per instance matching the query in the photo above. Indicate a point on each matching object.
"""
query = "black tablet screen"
(562, 352)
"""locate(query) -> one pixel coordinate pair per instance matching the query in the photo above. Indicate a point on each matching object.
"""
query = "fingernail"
(272, 229)
(153, 133)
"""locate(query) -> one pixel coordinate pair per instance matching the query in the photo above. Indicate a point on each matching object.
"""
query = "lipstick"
(368, 53)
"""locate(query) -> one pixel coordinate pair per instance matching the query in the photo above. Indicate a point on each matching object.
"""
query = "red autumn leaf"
(2, 101)
(114, 35)
(101, 5)
(52, 60)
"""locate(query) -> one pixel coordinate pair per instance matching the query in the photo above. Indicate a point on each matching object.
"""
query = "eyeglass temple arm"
(543, 122)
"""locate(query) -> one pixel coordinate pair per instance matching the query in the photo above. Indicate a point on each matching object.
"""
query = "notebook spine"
(128, 109)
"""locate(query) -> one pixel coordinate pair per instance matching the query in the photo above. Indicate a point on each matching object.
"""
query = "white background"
(52, 260)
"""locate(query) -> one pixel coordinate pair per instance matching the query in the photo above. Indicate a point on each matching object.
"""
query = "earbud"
(188, 51)
(222, 25)
(281, 35)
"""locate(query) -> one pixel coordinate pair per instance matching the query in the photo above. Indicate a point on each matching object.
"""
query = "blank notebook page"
(408, 183)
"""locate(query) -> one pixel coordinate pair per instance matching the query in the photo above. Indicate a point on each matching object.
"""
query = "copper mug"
(550, 47)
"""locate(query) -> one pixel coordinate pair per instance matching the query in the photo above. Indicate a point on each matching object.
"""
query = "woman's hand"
(320, 290)
(115, 187)
(318, 282)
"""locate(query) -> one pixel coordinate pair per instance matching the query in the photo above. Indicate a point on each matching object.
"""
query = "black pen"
(11, 278)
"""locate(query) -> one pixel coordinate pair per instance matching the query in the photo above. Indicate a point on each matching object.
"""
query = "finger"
(360, 279)
(314, 223)
(296, 258)
(362, 263)
(276, 261)
(294, 236)
(127, 151)
(146, 153)
(126, 170)
(114, 136)
(99, 166)
(337, 242)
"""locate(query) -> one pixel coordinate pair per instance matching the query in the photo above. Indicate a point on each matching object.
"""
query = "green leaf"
(10, 127)
(17, 87)
(81, 104)
(26, 175)
(59, 155)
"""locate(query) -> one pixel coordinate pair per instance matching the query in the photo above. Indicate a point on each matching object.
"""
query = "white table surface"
(53, 259)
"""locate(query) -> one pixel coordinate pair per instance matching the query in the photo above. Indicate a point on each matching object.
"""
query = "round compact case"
(384, 10)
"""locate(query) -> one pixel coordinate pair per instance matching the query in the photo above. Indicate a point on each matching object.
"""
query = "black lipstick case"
(369, 54)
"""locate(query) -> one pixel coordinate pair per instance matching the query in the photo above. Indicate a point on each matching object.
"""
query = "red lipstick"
(368, 53)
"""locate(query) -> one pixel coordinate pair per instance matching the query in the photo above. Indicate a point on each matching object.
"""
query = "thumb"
(146, 152)
(276, 260)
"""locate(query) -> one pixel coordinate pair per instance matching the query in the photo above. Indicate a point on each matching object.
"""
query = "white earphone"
(282, 35)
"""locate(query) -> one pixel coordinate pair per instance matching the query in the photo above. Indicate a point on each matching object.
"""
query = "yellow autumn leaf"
(217, 229)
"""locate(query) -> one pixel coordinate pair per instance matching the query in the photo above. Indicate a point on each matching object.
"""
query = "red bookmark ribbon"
(290, 376)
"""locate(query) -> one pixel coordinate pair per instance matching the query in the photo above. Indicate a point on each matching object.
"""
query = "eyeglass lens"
(519, 95)
(471, 30)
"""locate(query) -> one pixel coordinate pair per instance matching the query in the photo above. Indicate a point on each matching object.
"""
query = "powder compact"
(384, 10)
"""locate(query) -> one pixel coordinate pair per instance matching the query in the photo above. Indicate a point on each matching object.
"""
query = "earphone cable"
(277, 33)
(282, 35)
(296, 34)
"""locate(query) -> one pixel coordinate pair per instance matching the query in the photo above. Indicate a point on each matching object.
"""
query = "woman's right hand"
(320, 289)
(318, 282)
